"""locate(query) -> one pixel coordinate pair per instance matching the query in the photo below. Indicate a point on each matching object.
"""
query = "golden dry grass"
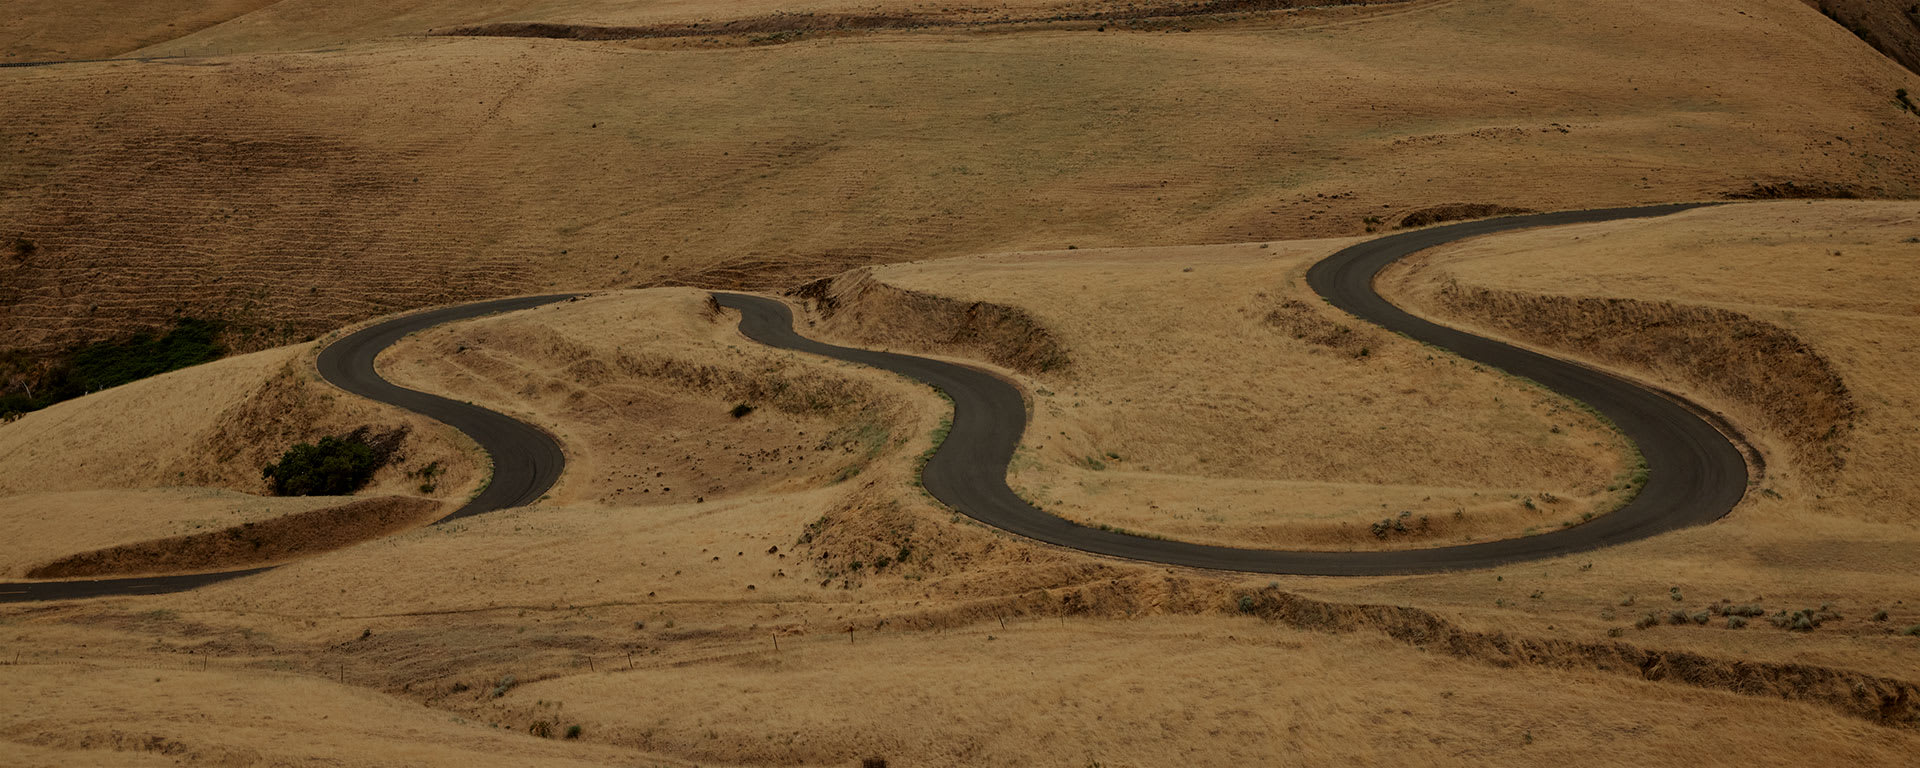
(292, 193)
(61, 712)
(640, 388)
(54, 30)
(51, 525)
(563, 596)
(1837, 275)
(217, 425)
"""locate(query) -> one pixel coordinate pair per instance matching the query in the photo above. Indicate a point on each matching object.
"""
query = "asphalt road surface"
(1695, 474)
(526, 461)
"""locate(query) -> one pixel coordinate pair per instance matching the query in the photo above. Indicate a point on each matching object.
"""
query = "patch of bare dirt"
(856, 306)
(1456, 212)
(1763, 367)
(248, 544)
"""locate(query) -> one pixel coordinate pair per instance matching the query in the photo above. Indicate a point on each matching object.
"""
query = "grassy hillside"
(298, 192)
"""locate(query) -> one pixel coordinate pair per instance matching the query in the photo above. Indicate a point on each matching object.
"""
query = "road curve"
(1695, 474)
(526, 461)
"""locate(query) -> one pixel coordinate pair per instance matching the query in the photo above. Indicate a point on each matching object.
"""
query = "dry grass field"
(1116, 217)
(291, 193)
(798, 616)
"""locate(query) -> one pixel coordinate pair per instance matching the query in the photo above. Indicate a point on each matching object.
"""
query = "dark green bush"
(333, 467)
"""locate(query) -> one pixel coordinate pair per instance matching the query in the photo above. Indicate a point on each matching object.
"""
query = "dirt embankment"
(1759, 367)
(855, 306)
(785, 27)
(1457, 212)
(250, 544)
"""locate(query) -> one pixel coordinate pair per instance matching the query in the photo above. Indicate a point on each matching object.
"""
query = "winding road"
(526, 461)
(1695, 473)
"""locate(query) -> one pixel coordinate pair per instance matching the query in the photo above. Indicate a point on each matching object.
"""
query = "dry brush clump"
(1784, 383)
(1302, 321)
(857, 306)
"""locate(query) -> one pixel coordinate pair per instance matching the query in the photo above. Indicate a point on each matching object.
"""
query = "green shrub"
(333, 467)
(573, 731)
(1805, 619)
(1246, 603)
(1736, 622)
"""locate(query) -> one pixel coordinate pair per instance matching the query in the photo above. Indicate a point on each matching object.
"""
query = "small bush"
(740, 411)
(541, 728)
(1678, 616)
(573, 731)
(1646, 621)
(1880, 615)
(1913, 631)
(1736, 622)
(506, 684)
(333, 467)
(1246, 603)
(1805, 619)
(1702, 617)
